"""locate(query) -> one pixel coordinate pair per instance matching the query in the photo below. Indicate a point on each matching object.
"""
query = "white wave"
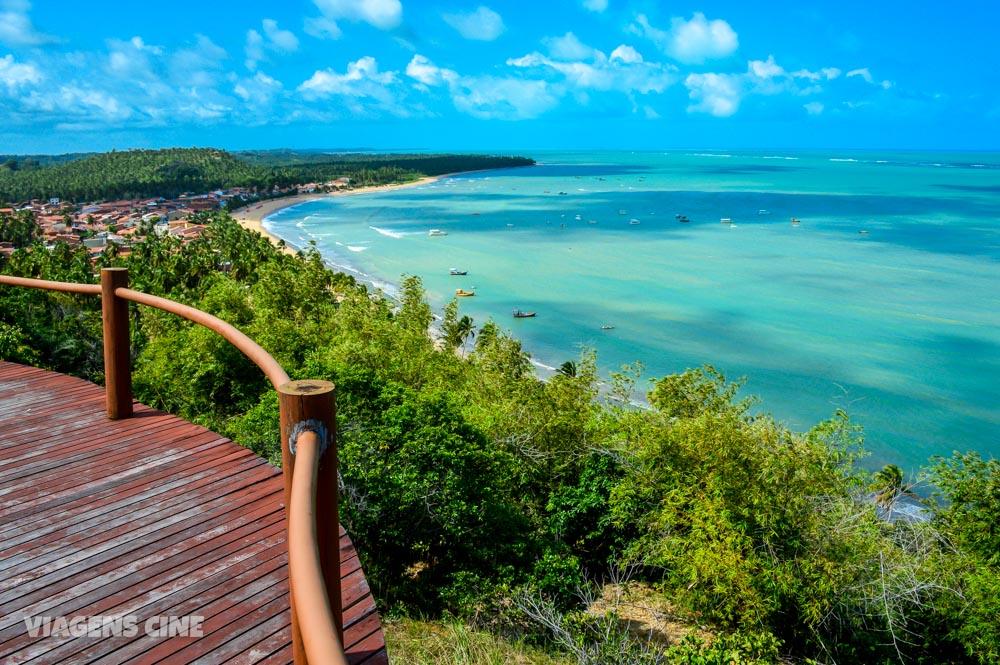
(543, 366)
(709, 154)
(385, 232)
(358, 248)
(835, 159)
(778, 157)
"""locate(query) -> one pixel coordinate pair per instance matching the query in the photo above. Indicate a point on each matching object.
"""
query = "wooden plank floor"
(143, 518)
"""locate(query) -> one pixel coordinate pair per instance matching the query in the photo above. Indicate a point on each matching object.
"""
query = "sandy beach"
(252, 216)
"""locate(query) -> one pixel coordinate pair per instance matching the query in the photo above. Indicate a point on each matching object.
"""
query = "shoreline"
(252, 217)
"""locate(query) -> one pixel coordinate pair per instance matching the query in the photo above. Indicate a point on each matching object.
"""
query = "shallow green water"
(899, 325)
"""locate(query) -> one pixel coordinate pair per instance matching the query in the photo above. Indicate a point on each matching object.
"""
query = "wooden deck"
(142, 518)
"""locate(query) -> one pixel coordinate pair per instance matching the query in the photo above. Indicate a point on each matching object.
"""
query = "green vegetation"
(475, 491)
(171, 172)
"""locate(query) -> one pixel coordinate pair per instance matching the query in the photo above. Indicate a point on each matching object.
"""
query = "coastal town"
(99, 226)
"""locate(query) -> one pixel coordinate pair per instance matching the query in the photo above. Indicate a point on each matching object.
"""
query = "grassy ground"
(414, 642)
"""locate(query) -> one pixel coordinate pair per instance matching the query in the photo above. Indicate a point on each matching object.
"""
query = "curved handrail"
(66, 287)
(251, 349)
(306, 574)
(313, 620)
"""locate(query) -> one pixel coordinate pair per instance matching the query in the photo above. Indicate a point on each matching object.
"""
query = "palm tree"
(464, 329)
(889, 487)
(568, 368)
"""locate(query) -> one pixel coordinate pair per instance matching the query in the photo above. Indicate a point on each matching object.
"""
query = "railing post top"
(114, 269)
(304, 387)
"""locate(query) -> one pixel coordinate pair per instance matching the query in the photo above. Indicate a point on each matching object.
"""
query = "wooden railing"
(308, 456)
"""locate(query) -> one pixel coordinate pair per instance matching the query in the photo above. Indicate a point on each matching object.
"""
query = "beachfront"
(252, 216)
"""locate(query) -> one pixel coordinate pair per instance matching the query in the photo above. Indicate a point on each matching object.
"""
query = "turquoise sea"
(884, 300)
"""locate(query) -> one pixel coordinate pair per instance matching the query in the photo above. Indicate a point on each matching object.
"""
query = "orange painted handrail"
(251, 349)
(66, 287)
(305, 571)
(307, 416)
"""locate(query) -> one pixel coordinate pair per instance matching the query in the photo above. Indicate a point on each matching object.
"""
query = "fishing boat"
(633, 221)
(682, 218)
(456, 271)
(462, 293)
(437, 232)
(521, 314)
(795, 221)
(607, 327)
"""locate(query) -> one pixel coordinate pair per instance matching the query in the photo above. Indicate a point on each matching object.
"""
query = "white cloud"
(626, 54)
(813, 108)
(14, 74)
(383, 14)
(716, 94)
(15, 25)
(691, 42)
(491, 98)
(595, 5)
(362, 79)
(424, 71)
(863, 73)
(830, 73)
(74, 100)
(260, 89)
(275, 40)
(625, 71)
(568, 47)
(133, 60)
(199, 66)
(487, 97)
(283, 41)
(254, 49)
(322, 28)
(484, 24)
(766, 69)
(886, 85)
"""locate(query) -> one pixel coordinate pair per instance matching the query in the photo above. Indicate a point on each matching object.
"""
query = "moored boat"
(437, 232)
(521, 314)
(462, 293)
(726, 220)
(456, 271)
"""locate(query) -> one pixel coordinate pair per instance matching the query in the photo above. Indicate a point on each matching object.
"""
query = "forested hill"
(170, 172)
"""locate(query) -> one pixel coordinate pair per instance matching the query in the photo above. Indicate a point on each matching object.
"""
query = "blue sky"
(503, 75)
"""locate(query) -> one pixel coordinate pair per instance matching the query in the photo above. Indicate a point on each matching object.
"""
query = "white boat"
(633, 221)
(437, 232)
(726, 220)
(763, 212)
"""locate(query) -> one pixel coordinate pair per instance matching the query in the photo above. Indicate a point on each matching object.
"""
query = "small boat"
(863, 232)
(475, 214)
(633, 221)
(562, 193)
(591, 221)
(456, 271)
(437, 232)
(521, 314)
(579, 218)
(682, 218)
(763, 212)
(462, 293)
(795, 221)
(726, 220)
(606, 327)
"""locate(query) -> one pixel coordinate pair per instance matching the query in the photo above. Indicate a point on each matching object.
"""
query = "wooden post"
(309, 404)
(117, 369)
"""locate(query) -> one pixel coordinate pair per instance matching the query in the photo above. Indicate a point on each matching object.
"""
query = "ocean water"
(884, 300)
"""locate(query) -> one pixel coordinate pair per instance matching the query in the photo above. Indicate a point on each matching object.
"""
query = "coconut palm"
(889, 487)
